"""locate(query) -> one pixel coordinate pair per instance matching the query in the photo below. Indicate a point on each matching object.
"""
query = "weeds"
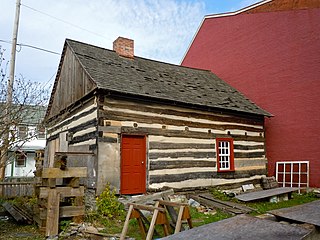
(108, 204)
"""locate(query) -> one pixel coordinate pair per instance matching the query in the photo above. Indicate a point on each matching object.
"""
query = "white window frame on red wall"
(225, 154)
(288, 172)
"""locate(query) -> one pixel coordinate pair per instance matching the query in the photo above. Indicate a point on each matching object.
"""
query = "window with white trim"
(225, 156)
(21, 159)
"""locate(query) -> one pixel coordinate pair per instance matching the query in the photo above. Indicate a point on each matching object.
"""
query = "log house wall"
(181, 149)
(77, 132)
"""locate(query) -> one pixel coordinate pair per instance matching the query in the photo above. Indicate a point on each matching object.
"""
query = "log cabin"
(150, 125)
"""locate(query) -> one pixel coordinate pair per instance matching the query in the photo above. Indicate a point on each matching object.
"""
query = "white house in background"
(30, 135)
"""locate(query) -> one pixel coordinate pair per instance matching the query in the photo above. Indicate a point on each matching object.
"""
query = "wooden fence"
(12, 189)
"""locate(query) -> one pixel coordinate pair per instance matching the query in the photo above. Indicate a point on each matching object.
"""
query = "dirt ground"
(9, 229)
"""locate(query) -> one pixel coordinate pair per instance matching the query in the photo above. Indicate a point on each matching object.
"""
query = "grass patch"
(297, 199)
(199, 218)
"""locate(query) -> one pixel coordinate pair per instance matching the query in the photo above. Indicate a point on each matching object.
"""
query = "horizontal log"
(205, 175)
(249, 163)
(249, 154)
(75, 118)
(156, 155)
(244, 147)
(64, 191)
(84, 137)
(162, 109)
(108, 139)
(110, 129)
(123, 116)
(165, 145)
(69, 172)
(181, 177)
(83, 126)
(159, 165)
(167, 133)
(188, 134)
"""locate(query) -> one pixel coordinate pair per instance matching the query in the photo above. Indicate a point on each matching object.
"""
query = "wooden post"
(52, 224)
(126, 224)
(153, 223)
(184, 214)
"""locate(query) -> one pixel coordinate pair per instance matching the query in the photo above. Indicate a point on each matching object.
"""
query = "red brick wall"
(284, 5)
(274, 59)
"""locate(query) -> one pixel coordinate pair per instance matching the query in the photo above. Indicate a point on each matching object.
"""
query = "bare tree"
(28, 106)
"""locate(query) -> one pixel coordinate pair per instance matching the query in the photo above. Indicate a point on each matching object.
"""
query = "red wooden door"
(133, 164)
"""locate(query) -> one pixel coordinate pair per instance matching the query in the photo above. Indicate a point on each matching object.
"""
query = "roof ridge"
(139, 57)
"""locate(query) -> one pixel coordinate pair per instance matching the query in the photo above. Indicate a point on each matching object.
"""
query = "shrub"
(108, 204)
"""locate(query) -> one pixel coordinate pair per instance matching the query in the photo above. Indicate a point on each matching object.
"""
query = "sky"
(162, 29)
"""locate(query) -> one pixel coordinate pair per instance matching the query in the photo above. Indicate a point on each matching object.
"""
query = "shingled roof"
(162, 81)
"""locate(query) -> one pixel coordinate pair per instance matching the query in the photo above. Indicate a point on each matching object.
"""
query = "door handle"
(142, 162)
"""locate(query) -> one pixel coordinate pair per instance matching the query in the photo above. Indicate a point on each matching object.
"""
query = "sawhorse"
(159, 217)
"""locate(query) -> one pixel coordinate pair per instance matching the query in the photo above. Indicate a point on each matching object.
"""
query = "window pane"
(224, 155)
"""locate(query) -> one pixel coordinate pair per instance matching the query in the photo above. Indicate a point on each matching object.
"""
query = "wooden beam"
(74, 153)
(52, 224)
(69, 172)
(147, 207)
(71, 211)
(64, 192)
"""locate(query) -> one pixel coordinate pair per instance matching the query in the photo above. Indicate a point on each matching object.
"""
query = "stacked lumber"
(59, 201)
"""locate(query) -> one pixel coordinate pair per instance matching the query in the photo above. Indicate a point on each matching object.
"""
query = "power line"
(45, 84)
(61, 20)
(30, 46)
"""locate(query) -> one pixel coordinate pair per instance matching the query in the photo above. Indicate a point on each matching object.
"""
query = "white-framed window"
(225, 155)
(21, 159)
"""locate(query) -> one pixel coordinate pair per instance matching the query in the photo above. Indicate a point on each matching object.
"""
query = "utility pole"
(10, 90)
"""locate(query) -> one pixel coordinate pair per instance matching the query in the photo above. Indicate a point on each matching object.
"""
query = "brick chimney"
(124, 47)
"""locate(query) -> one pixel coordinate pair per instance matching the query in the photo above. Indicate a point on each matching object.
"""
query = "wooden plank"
(69, 172)
(241, 207)
(179, 220)
(52, 223)
(212, 204)
(64, 192)
(147, 207)
(71, 211)
(14, 212)
(152, 197)
(79, 202)
(126, 223)
(172, 213)
(252, 196)
(153, 222)
(74, 153)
